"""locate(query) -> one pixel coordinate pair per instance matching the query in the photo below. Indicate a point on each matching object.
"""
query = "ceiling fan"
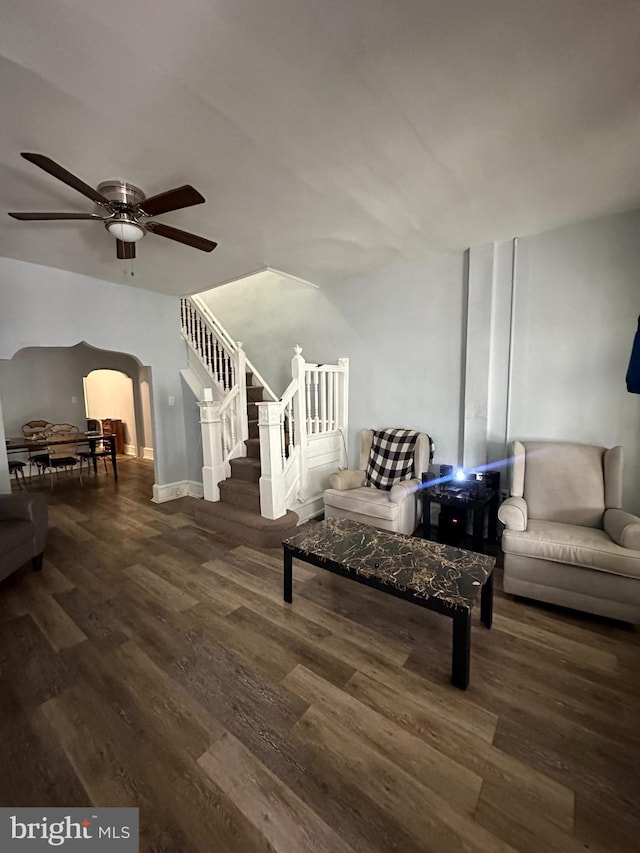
(124, 206)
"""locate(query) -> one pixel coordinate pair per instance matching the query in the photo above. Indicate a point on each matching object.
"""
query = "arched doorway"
(108, 394)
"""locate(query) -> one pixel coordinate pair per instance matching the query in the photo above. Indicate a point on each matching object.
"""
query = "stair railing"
(224, 429)
(314, 404)
(213, 351)
(223, 421)
(200, 307)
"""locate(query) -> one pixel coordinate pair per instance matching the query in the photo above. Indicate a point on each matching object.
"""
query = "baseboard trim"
(179, 489)
(130, 450)
(147, 453)
(169, 491)
(196, 490)
(311, 508)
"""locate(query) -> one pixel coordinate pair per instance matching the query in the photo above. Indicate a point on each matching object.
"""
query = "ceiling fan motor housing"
(121, 193)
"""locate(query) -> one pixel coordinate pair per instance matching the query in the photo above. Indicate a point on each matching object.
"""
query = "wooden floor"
(154, 664)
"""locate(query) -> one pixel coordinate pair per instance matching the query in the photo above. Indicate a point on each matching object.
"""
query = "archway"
(109, 395)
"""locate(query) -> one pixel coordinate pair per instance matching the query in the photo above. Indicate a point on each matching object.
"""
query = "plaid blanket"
(391, 457)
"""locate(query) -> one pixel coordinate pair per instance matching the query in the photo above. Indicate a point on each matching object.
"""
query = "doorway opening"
(109, 397)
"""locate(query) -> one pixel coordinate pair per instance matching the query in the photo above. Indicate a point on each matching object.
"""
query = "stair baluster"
(307, 383)
(330, 383)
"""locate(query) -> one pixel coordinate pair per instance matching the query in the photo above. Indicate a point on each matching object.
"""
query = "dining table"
(39, 444)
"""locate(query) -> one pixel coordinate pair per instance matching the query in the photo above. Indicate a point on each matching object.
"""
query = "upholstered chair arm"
(32, 507)
(623, 528)
(513, 513)
(402, 490)
(350, 478)
(17, 506)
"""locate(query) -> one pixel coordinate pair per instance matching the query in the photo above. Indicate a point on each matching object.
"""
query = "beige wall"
(109, 394)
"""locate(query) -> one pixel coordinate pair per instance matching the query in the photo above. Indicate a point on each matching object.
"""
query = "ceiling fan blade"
(179, 236)
(176, 199)
(66, 177)
(125, 251)
(30, 216)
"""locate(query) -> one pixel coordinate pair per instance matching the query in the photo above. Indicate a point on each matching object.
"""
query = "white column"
(298, 366)
(272, 487)
(240, 366)
(498, 433)
(213, 469)
(342, 415)
(5, 476)
(477, 356)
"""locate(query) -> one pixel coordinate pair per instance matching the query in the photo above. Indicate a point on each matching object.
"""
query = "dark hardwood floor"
(153, 664)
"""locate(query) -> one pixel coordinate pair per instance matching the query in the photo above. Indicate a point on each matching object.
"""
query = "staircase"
(238, 510)
(262, 456)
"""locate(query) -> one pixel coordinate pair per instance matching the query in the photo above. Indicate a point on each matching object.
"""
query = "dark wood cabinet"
(114, 426)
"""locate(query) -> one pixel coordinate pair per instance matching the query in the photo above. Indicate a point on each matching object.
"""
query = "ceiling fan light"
(125, 230)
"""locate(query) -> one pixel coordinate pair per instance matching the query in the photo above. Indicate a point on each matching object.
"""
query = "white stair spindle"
(307, 384)
(283, 453)
(290, 425)
(330, 401)
(216, 364)
(233, 415)
(315, 399)
(209, 343)
(323, 402)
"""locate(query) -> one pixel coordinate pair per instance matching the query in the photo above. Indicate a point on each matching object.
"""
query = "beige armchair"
(397, 509)
(566, 539)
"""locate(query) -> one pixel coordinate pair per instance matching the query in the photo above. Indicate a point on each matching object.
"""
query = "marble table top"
(419, 567)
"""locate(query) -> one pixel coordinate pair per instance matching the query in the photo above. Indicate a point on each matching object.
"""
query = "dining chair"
(102, 451)
(35, 429)
(62, 453)
(16, 467)
(66, 429)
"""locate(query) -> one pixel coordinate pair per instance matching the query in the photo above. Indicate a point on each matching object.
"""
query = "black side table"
(477, 501)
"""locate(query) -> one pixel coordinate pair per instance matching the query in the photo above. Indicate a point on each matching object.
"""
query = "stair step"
(253, 447)
(252, 411)
(240, 493)
(248, 378)
(254, 393)
(254, 432)
(244, 524)
(245, 468)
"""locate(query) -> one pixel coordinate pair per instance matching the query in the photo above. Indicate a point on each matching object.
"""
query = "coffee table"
(438, 577)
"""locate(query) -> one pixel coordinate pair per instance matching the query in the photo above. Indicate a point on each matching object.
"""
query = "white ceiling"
(329, 137)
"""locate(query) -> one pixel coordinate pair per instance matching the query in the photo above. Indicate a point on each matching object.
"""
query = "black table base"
(461, 650)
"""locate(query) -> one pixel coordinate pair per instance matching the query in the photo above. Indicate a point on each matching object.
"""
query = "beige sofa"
(398, 510)
(566, 539)
(23, 531)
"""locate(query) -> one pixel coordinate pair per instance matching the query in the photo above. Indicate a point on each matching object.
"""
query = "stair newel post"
(272, 486)
(342, 415)
(240, 368)
(213, 468)
(298, 369)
